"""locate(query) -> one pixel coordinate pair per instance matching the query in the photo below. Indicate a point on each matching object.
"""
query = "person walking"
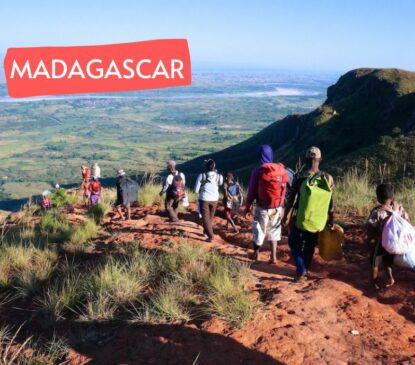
(207, 186)
(127, 193)
(308, 211)
(95, 191)
(173, 187)
(86, 175)
(96, 170)
(267, 186)
(232, 200)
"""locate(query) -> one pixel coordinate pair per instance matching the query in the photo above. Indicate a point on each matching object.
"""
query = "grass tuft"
(149, 195)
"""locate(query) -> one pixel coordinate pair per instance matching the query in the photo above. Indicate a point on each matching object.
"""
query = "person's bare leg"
(230, 220)
(273, 256)
(128, 213)
(375, 273)
(120, 213)
(255, 254)
(390, 275)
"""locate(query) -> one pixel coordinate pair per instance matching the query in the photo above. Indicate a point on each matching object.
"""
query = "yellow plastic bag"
(330, 243)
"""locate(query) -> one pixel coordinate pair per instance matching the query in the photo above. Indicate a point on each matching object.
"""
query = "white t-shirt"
(169, 180)
(207, 186)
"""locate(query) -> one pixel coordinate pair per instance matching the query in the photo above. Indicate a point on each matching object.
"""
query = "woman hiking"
(267, 187)
(207, 186)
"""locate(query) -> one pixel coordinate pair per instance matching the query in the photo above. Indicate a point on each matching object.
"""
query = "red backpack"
(177, 187)
(272, 184)
(95, 186)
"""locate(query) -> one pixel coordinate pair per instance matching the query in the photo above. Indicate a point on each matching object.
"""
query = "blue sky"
(290, 34)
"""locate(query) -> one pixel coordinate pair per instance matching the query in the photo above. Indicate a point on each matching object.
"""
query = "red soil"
(306, 323)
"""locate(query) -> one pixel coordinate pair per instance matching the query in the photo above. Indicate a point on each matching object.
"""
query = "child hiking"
(309, 209)
(173, 187)
(46, 202)
(95, 189)
(375, 228)
(267, 186)
(232, 199)
(207, 186)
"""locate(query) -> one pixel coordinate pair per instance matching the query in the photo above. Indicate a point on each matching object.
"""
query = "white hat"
(121, 172)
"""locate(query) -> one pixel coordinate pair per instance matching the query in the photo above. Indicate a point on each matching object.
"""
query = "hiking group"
(91, 186)
(277, 198)
(302, 204)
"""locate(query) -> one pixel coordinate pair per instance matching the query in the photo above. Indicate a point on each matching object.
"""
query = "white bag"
(398, 235)
(185, 201)
(406, 261)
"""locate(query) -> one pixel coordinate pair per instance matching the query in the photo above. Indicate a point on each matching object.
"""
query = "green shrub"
(406, 197)
(99, 307)
(170, 304)
(64, 294)
(115, 278)
(83, 232)
(116, 283)
(99, 211)
(149, 194)
(54, 226)
(354, 194)
(196, 282)
(228, 296)
(61, 198)
(26, 267)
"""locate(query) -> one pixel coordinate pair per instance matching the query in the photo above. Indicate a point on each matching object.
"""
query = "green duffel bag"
(313, 208)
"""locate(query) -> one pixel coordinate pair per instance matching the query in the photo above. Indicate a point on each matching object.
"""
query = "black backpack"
(128, 190)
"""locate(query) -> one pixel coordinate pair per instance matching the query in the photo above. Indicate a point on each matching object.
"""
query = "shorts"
(266, 225)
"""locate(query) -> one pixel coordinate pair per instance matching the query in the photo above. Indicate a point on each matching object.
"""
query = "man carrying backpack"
(207, 186)
(267, 186)
(308, 211)
(127, 193)
(174, 188)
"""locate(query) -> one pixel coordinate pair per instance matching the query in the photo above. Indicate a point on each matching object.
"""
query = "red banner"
(151, 64)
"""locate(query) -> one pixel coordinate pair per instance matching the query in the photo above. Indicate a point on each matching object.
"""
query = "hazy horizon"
(295, 35)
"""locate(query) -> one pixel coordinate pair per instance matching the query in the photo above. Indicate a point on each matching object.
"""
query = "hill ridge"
(361, 108)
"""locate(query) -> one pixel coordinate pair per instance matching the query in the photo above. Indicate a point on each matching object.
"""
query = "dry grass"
(355, 193)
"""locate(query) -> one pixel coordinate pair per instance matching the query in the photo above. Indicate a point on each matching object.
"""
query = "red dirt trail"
(307, 323)
(298, 323)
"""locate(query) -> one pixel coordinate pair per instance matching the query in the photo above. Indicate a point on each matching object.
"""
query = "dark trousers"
(208, 210)
(302, 245)
(172, 207)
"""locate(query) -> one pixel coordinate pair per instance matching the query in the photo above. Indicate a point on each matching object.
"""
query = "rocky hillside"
(368, 114)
